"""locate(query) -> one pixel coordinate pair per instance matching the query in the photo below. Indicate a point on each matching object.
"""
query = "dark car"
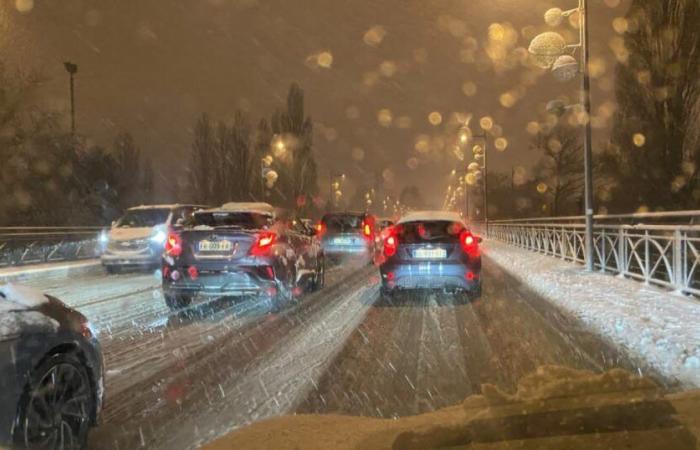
(348, 234)
(240, 250)
(51, 372)
(137, 239)
(431, 250)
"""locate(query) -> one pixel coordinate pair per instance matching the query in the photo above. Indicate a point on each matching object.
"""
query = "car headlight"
(159, 237)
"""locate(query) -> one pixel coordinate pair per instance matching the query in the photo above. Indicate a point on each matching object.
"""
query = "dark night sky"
(151, 66)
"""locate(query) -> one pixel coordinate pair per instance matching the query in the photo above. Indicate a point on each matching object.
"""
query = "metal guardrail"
(34, 245)
(658, 253)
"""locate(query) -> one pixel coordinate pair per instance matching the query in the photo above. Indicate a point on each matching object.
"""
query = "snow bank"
(21, 296)
(660, 327)
(619, 410)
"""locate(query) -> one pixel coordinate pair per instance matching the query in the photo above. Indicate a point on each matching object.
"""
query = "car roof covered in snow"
(419, 216)
(254, 207)
(166, 206)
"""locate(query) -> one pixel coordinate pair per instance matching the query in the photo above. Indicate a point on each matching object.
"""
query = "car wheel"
(177, 301)
(56, 408)
(320, 278)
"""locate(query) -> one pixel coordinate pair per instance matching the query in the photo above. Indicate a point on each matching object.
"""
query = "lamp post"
(547, 50)
(72, 69)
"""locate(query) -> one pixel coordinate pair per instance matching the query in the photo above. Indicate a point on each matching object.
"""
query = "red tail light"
(468, 242)
(173, 245)
(263, 243)
(391, 243)
(367, 230)
(320, 228)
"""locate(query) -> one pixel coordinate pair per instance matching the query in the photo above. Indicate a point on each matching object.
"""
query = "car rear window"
(434, 232)
(340, 223)
(137, 218)
(247, 220)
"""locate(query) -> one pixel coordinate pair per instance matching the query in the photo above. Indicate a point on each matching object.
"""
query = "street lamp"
(72, 69)
(547, 51)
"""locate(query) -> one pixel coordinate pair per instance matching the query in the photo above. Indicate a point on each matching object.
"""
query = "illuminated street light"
(545, 48)
(565, 68)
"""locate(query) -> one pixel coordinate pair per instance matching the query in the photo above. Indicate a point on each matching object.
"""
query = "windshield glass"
(350, 224)
(341, 223)
(248, 220)
(136, 218)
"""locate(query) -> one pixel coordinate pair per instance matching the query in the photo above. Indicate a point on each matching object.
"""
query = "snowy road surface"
(177, 381)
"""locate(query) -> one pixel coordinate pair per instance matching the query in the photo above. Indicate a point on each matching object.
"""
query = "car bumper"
(123, 260)
(430, 276)
(223, 284)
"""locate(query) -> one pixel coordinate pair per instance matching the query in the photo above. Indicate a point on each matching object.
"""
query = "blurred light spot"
(24, 6)
(420, 55)
(435, 118)
(422, 144)
(620, 25)
(369, 79)
(486, 123)
(642, 209)
(533, 128)
(541, 188)
(412, 163)
(387, 68)
(374, 36)
(501, 144)
(639, 139)
(325, 59)
(554, 145)
(352, 112)
(597, 67)
(385, 117)
(330, 134)
(470, 179)
(519, 176)
(469, 88)
(358, 154)
(507, 100)
(403, 122)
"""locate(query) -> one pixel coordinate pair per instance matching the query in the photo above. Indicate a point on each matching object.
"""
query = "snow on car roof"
(165, 206)
(22, 295)
(417, 216)
(257, 207)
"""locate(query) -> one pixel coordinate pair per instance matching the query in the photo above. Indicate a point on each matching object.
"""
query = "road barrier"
(35, 245)
(657, 248)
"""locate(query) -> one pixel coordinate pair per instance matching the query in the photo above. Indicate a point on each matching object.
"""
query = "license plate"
(342, 240)
(215, 246)
(430, 253)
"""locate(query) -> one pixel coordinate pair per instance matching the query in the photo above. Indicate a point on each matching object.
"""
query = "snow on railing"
(33, 245)
(658, 252)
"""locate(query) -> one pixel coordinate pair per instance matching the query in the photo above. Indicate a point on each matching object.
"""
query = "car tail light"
(390, 245)
(320, 228)
(193, 272)
(173, 245)
(366, 230)
(468, 242)
(263, 243)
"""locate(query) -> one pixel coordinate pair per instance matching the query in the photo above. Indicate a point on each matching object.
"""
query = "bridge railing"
(33, 245)
(657, 248)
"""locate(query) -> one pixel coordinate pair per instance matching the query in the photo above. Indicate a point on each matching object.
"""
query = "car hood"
(128, 234)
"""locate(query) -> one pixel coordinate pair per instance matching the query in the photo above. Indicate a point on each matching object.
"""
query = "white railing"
(664, 251)
(32, 245)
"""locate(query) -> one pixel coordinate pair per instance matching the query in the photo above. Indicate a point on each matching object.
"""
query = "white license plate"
(430, 253)
(215, 246)
(342, 241)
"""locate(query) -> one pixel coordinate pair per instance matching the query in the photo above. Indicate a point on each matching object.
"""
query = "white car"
(137, 239)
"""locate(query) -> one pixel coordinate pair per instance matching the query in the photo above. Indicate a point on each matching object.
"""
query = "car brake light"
(367, 230)
(390, 245)
(320, 228)
(263, 243)
(173, 245)
(468, 242)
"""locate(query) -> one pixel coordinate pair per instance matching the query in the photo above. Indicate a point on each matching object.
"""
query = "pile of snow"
(660, 327)
(21, 297)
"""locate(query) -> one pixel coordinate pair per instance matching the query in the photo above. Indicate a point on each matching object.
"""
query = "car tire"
(177, 302)
(320, 278)
(70, 417)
